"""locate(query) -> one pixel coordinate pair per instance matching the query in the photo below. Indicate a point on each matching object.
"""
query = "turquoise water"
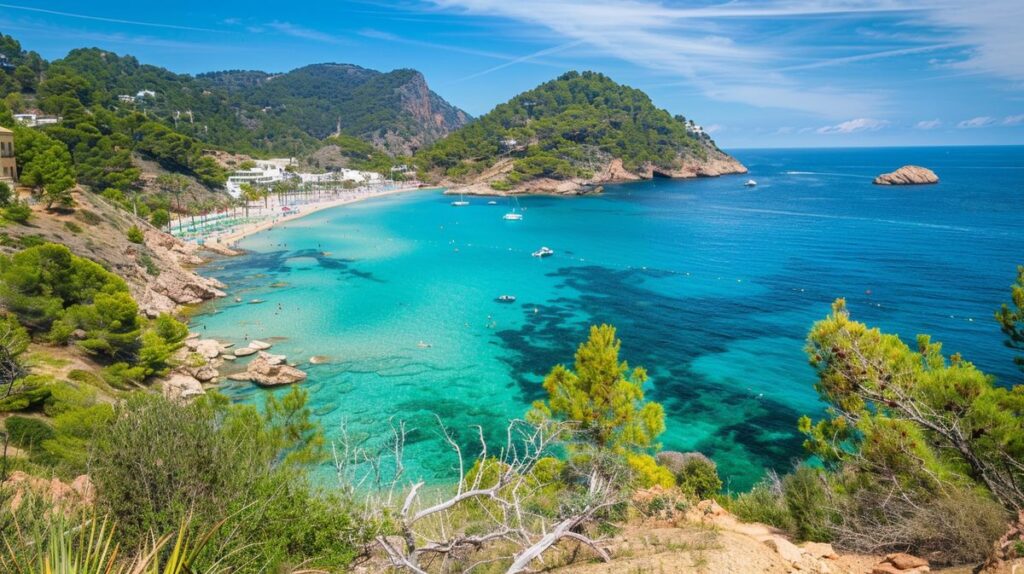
(712, 286)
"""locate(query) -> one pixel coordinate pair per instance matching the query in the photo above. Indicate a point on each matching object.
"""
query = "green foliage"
(564, 129)
(72, 227)
(39, 283)
(27, 433)
(912, 416)
(18, 212)
(45, 165)
(646, 471)
(1011, 318)
(699, 478)
(763, 503)
(160, 218)
(6, 194)
(603, 397)
(158, 462)
(135, 235)
(805, 493)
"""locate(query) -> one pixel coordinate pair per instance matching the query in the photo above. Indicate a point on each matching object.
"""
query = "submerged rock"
(260, 345)
(908, 175)
(245, 351)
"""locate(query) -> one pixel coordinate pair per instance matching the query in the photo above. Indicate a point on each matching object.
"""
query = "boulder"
(908, 175)
(208, 348)
(245, 351)
(182, 388)
(820, 550)
(905, 561)
(784, 548)
(260, 345)
(204, 373)
(269, 371)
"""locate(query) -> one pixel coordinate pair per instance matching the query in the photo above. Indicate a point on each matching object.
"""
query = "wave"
(848, 218)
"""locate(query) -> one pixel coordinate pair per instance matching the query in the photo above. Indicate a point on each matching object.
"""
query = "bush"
(698, 477)
(28, 433)
(135, 235)
(807, 501)
(648, 473)
(763, 503)
(18, 212)
(5, 194)
(160, 218)
(72, 227)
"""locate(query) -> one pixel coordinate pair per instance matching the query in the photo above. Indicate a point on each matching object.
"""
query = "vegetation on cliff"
(569, 127)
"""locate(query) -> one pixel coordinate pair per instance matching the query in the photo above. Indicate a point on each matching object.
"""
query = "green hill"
(579, 129)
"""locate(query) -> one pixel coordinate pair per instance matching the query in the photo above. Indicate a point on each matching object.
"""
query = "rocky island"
(570, 136)
(908, 175)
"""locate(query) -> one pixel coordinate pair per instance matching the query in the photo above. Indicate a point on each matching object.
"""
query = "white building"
(145, 94)
(266, 172)
(33, 120)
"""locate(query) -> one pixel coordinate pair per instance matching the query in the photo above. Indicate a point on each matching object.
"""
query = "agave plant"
(88, 548)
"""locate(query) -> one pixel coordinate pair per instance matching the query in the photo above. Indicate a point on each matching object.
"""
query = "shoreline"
(226, 243)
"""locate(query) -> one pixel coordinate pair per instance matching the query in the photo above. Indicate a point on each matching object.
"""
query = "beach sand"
(227, 241)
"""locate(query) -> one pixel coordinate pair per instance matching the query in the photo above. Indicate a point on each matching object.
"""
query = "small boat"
(492, 202)
(506, 299)
(512, 215)
(750, 183)
(461, 201)
(543, 252)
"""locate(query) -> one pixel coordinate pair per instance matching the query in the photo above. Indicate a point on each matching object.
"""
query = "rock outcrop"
(79, 493)
(182, 388)
(269, 370)
(908, 175)
(900, 563)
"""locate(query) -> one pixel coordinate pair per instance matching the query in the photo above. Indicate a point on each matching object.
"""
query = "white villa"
(268, 171)
(33, 120)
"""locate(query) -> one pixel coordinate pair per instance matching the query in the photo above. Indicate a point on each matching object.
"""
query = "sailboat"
(513, 215)
(461, 201)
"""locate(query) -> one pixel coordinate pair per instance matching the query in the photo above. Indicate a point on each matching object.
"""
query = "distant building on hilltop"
(126, 98)
(8, 167)
(34, 120)
(145, 94)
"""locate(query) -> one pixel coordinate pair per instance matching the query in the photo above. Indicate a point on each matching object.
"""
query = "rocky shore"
(716, 164)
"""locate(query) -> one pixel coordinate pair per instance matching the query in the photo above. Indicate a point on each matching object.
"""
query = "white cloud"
(1013, 120)
(978, 122)
(928, 124)
(297, 31)
(852, 126)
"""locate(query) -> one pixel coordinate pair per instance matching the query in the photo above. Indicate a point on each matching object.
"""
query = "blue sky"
(767, 73)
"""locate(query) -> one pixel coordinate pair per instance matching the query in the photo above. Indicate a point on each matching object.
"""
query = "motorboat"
(492, 202)
(750, 183)
(543, 252)
(506, 299)
(461, 201)
(512, 216)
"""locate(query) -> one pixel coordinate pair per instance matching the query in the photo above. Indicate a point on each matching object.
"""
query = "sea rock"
(204, 373)
(784, 548)
(260, 345)
(245, 351)
(269, 371)
(208, 348)
(319, 359)
(908, 175)
(182, 388)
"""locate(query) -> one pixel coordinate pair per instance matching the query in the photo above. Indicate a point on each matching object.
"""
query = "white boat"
(750, 183)
(513, 215)
(506, 299)
(492, 202)
(461, 201)
(543, 252)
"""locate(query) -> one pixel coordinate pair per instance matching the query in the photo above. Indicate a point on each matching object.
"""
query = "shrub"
(160, 217)
(28, 433)
(764, 504)
(807, 502)
(699, 477)
(648, 473)
(135, 235)
(6, 195)
(88, 217)
(72, 227)
(18, 212)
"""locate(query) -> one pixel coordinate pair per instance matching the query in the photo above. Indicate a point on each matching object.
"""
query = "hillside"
(274, 113)
(570, 135)
(394, 110)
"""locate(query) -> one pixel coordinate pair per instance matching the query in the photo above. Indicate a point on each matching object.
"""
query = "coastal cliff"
(570, 136)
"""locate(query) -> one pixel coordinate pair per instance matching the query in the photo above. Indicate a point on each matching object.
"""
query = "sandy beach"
(226, 242)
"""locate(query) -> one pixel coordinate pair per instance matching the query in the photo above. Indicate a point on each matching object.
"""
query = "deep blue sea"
(712, 286)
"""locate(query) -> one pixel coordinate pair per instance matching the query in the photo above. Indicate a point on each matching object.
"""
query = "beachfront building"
(264, 173)
(8, 167)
